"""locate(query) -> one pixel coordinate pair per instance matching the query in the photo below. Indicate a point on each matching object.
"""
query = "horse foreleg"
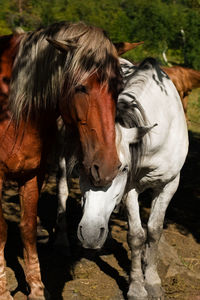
(4, 293)
(61, 240)
(136, 239)
(29, 199)
(160, 203)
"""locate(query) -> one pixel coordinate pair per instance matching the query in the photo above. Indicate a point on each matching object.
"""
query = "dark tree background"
(169, 28)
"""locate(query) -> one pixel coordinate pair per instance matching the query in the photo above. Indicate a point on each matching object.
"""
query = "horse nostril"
(95, 172)
(102, 229)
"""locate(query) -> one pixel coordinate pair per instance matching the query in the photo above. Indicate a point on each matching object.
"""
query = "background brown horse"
(81, 82)
(185, 80)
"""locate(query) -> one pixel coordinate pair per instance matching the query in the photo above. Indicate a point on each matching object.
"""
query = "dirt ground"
(104, 275)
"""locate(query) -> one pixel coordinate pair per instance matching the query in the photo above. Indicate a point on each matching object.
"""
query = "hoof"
(39, 297)
(155, 292)
(138, 292)
(6, 296)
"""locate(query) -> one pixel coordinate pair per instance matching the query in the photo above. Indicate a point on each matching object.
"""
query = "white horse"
(152, 157)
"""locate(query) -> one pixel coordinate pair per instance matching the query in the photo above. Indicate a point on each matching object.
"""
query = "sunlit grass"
(194, 111)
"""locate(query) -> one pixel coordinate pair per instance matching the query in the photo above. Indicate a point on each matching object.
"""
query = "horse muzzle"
(92, 236)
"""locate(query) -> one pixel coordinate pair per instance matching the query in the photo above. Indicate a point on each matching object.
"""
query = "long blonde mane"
(40, 71)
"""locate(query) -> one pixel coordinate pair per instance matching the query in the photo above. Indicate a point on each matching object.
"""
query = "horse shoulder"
(20, 151)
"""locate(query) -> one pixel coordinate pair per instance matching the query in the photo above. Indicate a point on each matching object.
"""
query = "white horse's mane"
(123, 150)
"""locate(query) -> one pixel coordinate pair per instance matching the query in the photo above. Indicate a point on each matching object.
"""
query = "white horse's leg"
(136, 240)
(63, 191)
(61, 240)
(160, 203)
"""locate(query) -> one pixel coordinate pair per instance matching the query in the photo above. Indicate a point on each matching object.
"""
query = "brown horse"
(70, 70)
(185, 80)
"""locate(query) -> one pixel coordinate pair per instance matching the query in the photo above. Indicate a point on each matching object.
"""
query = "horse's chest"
(19, 155)
(21, 163)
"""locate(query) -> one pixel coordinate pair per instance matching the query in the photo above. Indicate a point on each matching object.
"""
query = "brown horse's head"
(89, 100)
(92, 110)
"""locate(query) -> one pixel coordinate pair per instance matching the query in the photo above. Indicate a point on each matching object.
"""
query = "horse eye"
(125, 169)
(6, 80)
(81, 88)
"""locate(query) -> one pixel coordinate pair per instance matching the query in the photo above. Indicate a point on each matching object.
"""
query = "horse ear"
(125, 46)
(135, 134)
(61, 46)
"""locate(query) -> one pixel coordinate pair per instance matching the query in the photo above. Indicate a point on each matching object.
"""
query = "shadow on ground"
(184, 209)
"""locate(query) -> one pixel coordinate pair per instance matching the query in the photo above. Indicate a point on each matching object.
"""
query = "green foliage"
(170, 26)
(192, 37)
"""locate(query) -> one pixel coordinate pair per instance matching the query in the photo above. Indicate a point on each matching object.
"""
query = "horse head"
(88, 102)
(92, 111)
(99, 203)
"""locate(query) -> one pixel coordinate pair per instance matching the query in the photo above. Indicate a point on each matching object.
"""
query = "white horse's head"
(99, 203)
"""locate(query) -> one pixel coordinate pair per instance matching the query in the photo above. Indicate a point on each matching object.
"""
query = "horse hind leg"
(160, 203)
(29, 199)
(4, 293)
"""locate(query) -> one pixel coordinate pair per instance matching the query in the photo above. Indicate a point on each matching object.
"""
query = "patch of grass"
(194, 111)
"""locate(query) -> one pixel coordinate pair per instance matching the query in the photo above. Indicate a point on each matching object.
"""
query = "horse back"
(184, 79)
